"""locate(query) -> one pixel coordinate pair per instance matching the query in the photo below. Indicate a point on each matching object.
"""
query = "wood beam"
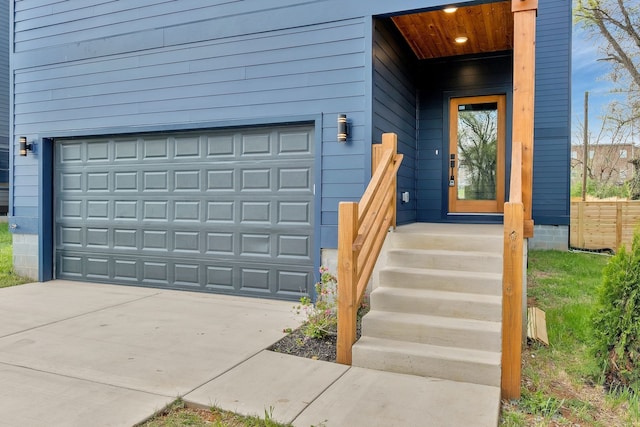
(524, 43)
(521, 5)
(518, 222)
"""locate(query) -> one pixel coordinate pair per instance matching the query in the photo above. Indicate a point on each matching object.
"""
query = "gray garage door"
(221, 211)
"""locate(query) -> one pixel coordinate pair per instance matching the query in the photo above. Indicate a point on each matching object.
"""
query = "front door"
(476, 154)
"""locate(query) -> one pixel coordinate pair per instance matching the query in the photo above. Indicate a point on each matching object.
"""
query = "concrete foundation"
(549, 237)
(25, 255)
(329, 259)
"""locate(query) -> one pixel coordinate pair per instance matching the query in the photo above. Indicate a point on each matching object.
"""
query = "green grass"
(178, 414)
(7, 276)
(564, 285)
(560, 382)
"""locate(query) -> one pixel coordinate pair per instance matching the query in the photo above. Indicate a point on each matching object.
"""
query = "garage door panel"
(188, 147)
(292, 246)
(155, 181)
(155, 149)
(259, 144)
(187, 180)
(71, 153)
(249, 244)
(125, 271)
(294, 179)
(71, 182)
(221, 211)
(224, 211)
(255, 179)
(294, 212)
(97, 237)
(292, 143)
(215, 275)
(97, 210)
(125, 239)
(125, 209)
(221, 180)
(125, 181)
(125, 150)
(220, 147)
(98, 151)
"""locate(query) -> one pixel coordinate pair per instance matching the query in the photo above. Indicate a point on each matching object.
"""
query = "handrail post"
(390, 141)
(512, 271)
(347, 280)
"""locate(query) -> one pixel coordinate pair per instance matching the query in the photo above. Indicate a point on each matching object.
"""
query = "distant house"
(606, 163)
(192, 144)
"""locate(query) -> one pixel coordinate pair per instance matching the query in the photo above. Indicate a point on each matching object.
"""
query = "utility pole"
(585, 154)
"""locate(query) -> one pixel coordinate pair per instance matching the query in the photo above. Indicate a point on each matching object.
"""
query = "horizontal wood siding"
(111, 79)
(4, 103)
(440, 80)
(65, 31)
(394, 106)
(551, 162)
(102, 65)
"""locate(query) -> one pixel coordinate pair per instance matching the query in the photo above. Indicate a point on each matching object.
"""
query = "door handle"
(452, 164)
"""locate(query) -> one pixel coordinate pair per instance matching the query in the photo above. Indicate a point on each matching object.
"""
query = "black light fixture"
(24, 147)
(343, 128)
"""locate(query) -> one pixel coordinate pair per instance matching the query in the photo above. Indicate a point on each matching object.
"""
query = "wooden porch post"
(518, 223)
(524, 76)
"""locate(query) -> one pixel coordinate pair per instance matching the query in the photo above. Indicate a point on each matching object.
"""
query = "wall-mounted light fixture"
(450, 9)
(343, 128)
(24, 147)
(461, 39)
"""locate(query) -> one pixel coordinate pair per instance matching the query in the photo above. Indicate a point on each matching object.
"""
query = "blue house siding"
(551, 163)
(4, 107)
(394, 105)
(262, 78)
(111, 67)
(439, 81)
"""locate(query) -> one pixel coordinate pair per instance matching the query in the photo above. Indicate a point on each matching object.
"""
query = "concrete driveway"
(80, 354)
(88, 354)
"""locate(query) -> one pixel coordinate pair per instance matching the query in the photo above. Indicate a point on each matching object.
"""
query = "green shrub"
(601, 190)
(617, 319)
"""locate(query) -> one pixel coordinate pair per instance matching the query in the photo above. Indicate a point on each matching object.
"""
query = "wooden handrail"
(362, 228)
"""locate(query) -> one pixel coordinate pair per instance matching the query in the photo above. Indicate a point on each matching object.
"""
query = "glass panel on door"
(476, 154)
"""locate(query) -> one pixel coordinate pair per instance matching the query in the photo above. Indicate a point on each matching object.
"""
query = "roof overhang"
(487, 27)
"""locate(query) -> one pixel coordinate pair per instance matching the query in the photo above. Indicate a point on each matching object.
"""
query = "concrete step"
(437, 303)
(434, 330)
(445, 260)
(443, 280)
(447, 241)
(456, 364)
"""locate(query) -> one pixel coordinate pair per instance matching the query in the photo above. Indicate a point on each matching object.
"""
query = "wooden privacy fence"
(603, 224)
(362, 228)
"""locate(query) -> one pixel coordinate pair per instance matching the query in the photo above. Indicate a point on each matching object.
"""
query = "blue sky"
(588, 74)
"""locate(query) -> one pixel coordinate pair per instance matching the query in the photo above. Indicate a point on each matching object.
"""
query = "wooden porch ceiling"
(488, 28)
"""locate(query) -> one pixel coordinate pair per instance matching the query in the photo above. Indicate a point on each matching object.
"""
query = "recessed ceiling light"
(461, 39)
(450, 9)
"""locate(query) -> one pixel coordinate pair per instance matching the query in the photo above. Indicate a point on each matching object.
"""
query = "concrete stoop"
(437, 307)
